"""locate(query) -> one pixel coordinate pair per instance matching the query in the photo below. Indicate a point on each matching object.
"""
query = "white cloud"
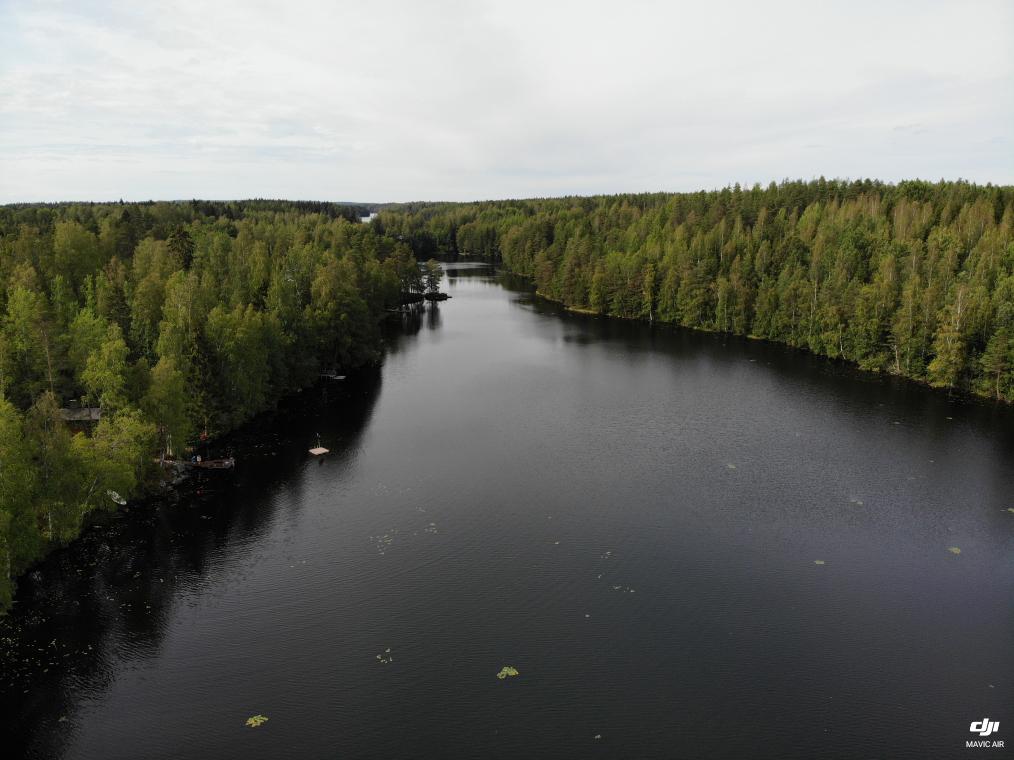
(461, 100)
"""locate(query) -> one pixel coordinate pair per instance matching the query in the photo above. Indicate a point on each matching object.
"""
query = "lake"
(687, 545)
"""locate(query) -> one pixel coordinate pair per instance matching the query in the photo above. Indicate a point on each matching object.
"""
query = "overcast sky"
(386, 101)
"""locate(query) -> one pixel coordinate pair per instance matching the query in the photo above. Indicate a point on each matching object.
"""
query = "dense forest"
(915, 279)
(175, 320)
(183, 319)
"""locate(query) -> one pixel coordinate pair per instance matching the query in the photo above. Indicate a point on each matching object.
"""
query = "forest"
(176, 321)
(182, 320)
(914, 279)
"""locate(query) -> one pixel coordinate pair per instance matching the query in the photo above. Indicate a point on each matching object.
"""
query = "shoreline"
(966, 393)
(189, 482)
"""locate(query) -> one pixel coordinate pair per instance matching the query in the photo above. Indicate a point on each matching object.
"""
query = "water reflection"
(521, 472)
(793, 371)
(433, 316)
(110, 595)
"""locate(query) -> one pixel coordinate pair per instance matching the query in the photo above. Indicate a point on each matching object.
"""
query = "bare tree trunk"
(49, 361)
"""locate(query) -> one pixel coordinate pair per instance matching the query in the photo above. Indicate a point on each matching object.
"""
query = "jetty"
(318, 450)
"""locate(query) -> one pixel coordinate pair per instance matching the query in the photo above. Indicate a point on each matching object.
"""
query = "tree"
(114, 458)
(183, 312)
(105, 372)
(168, 404)
(75, 251)
(182, 245)
(27, 363)
(648, 286)
(86, 334)
(997, 363)
(949, 343)
(407, 269)
(57, 471)
(146, 313)
(20, 540)
(434, 274)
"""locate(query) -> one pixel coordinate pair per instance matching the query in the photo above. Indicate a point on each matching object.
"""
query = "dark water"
(630, 517)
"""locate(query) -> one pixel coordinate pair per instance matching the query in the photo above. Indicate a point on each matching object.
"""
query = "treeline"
(206, 208)
(174, 319)
(916, 279)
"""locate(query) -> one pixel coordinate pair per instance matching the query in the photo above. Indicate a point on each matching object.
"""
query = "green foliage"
(26, 366)
(76, 252)
(105, 372)
(434, 274)
(244, 346)
(58, 477)
(165, 315)
(915, 279)
(113, 458)
(19, 539)
(168, 404)
(997, 363)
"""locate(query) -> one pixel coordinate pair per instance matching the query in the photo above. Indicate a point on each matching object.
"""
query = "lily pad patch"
(507, 670)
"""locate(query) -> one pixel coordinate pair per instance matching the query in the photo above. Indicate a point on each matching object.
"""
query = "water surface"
(632, 517)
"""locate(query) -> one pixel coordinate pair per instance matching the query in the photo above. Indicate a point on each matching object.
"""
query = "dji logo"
(984, 727)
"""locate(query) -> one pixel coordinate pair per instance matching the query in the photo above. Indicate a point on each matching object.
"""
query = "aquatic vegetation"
(818, 562)
(954, 550)
(385, 657)
(384, 541)
(507, 670)
(256, 720)
(731, 466)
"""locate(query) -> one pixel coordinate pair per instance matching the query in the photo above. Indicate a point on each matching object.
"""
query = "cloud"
(462, 100)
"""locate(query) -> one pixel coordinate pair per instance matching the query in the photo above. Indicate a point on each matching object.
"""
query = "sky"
(436, 100)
